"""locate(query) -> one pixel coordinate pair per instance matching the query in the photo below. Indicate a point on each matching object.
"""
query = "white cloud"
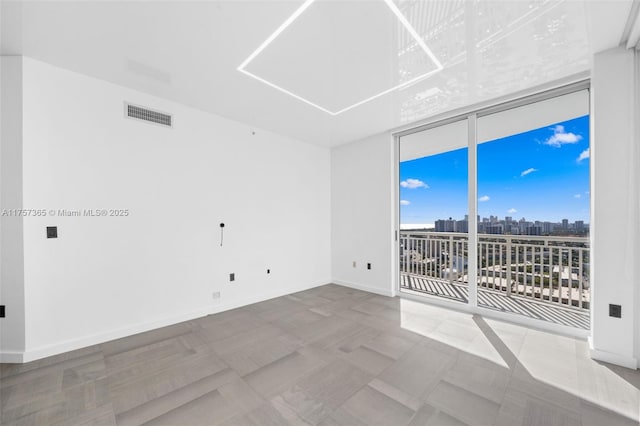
(484, 198)
(413, 184)
(404, 202)
(584, 155)
(529, 170)
(560, 137)
(512, 211)
(577, 196)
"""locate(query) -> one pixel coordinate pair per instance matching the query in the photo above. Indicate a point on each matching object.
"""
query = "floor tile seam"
(399, 391)
(290, 383)
(183, 388)
(396, 360)
(186, 403)
(259, 367)
(364, 347)
(223, 352)
(37, 396)
(109, 354)
(65, 422)
(609, 410)
(447, 411)
(549, 401)
(41, 371)
(502, 393)
(347, 398)
(57, 399)
(136, 380)
(165, 363)
(279, 361)
(169, 359)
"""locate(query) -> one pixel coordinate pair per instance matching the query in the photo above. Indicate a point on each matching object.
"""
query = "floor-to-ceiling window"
(527, 164)
(433, 210)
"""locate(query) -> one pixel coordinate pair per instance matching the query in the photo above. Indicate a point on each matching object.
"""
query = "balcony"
(545, 278)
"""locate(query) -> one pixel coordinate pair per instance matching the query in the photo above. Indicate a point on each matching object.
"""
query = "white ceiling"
(334, 55)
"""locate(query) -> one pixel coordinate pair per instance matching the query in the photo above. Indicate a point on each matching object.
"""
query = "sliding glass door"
(433, 212)
(533, 208)
(522, 169)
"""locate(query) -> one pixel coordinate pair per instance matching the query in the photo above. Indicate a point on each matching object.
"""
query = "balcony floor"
(498, 301)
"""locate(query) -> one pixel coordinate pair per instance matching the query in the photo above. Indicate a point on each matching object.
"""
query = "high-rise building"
(445, 225)
(491, 225)
(534, 230)
(494, 228)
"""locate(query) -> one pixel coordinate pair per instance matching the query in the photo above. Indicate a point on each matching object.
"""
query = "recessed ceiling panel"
(337, 55)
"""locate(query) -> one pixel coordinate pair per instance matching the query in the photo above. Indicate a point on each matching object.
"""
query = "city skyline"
(512, 226)
(542, 174)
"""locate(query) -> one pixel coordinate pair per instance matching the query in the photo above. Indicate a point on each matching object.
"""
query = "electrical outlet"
(232, 276)
(268, 271)
(615, 311)
(216, 295)
(368, 266)
(354, 264)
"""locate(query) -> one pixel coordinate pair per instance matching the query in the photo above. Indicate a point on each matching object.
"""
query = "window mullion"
(472, 248)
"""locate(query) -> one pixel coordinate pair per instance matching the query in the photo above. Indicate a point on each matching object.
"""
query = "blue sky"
(541, 175)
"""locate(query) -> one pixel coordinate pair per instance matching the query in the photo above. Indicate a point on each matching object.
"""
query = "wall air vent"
(146, 114)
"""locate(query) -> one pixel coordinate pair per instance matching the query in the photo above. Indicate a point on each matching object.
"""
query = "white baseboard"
(11, 357)
(15, 357)
(369, 289)
(83, 342)
(611, 358)
(261, 297)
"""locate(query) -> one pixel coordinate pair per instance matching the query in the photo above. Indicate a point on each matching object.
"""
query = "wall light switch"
(52, 232)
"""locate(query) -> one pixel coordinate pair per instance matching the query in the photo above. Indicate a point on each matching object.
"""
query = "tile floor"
(326, 356)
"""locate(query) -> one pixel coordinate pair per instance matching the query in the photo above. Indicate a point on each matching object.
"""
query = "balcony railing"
(553, 270)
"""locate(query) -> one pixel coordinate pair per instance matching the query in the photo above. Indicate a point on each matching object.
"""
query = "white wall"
(362, 214)
(106, 277)
(637, 175)
(11, 242)
(615, 207)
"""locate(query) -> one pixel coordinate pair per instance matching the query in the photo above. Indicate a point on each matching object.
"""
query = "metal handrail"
(546, 268)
